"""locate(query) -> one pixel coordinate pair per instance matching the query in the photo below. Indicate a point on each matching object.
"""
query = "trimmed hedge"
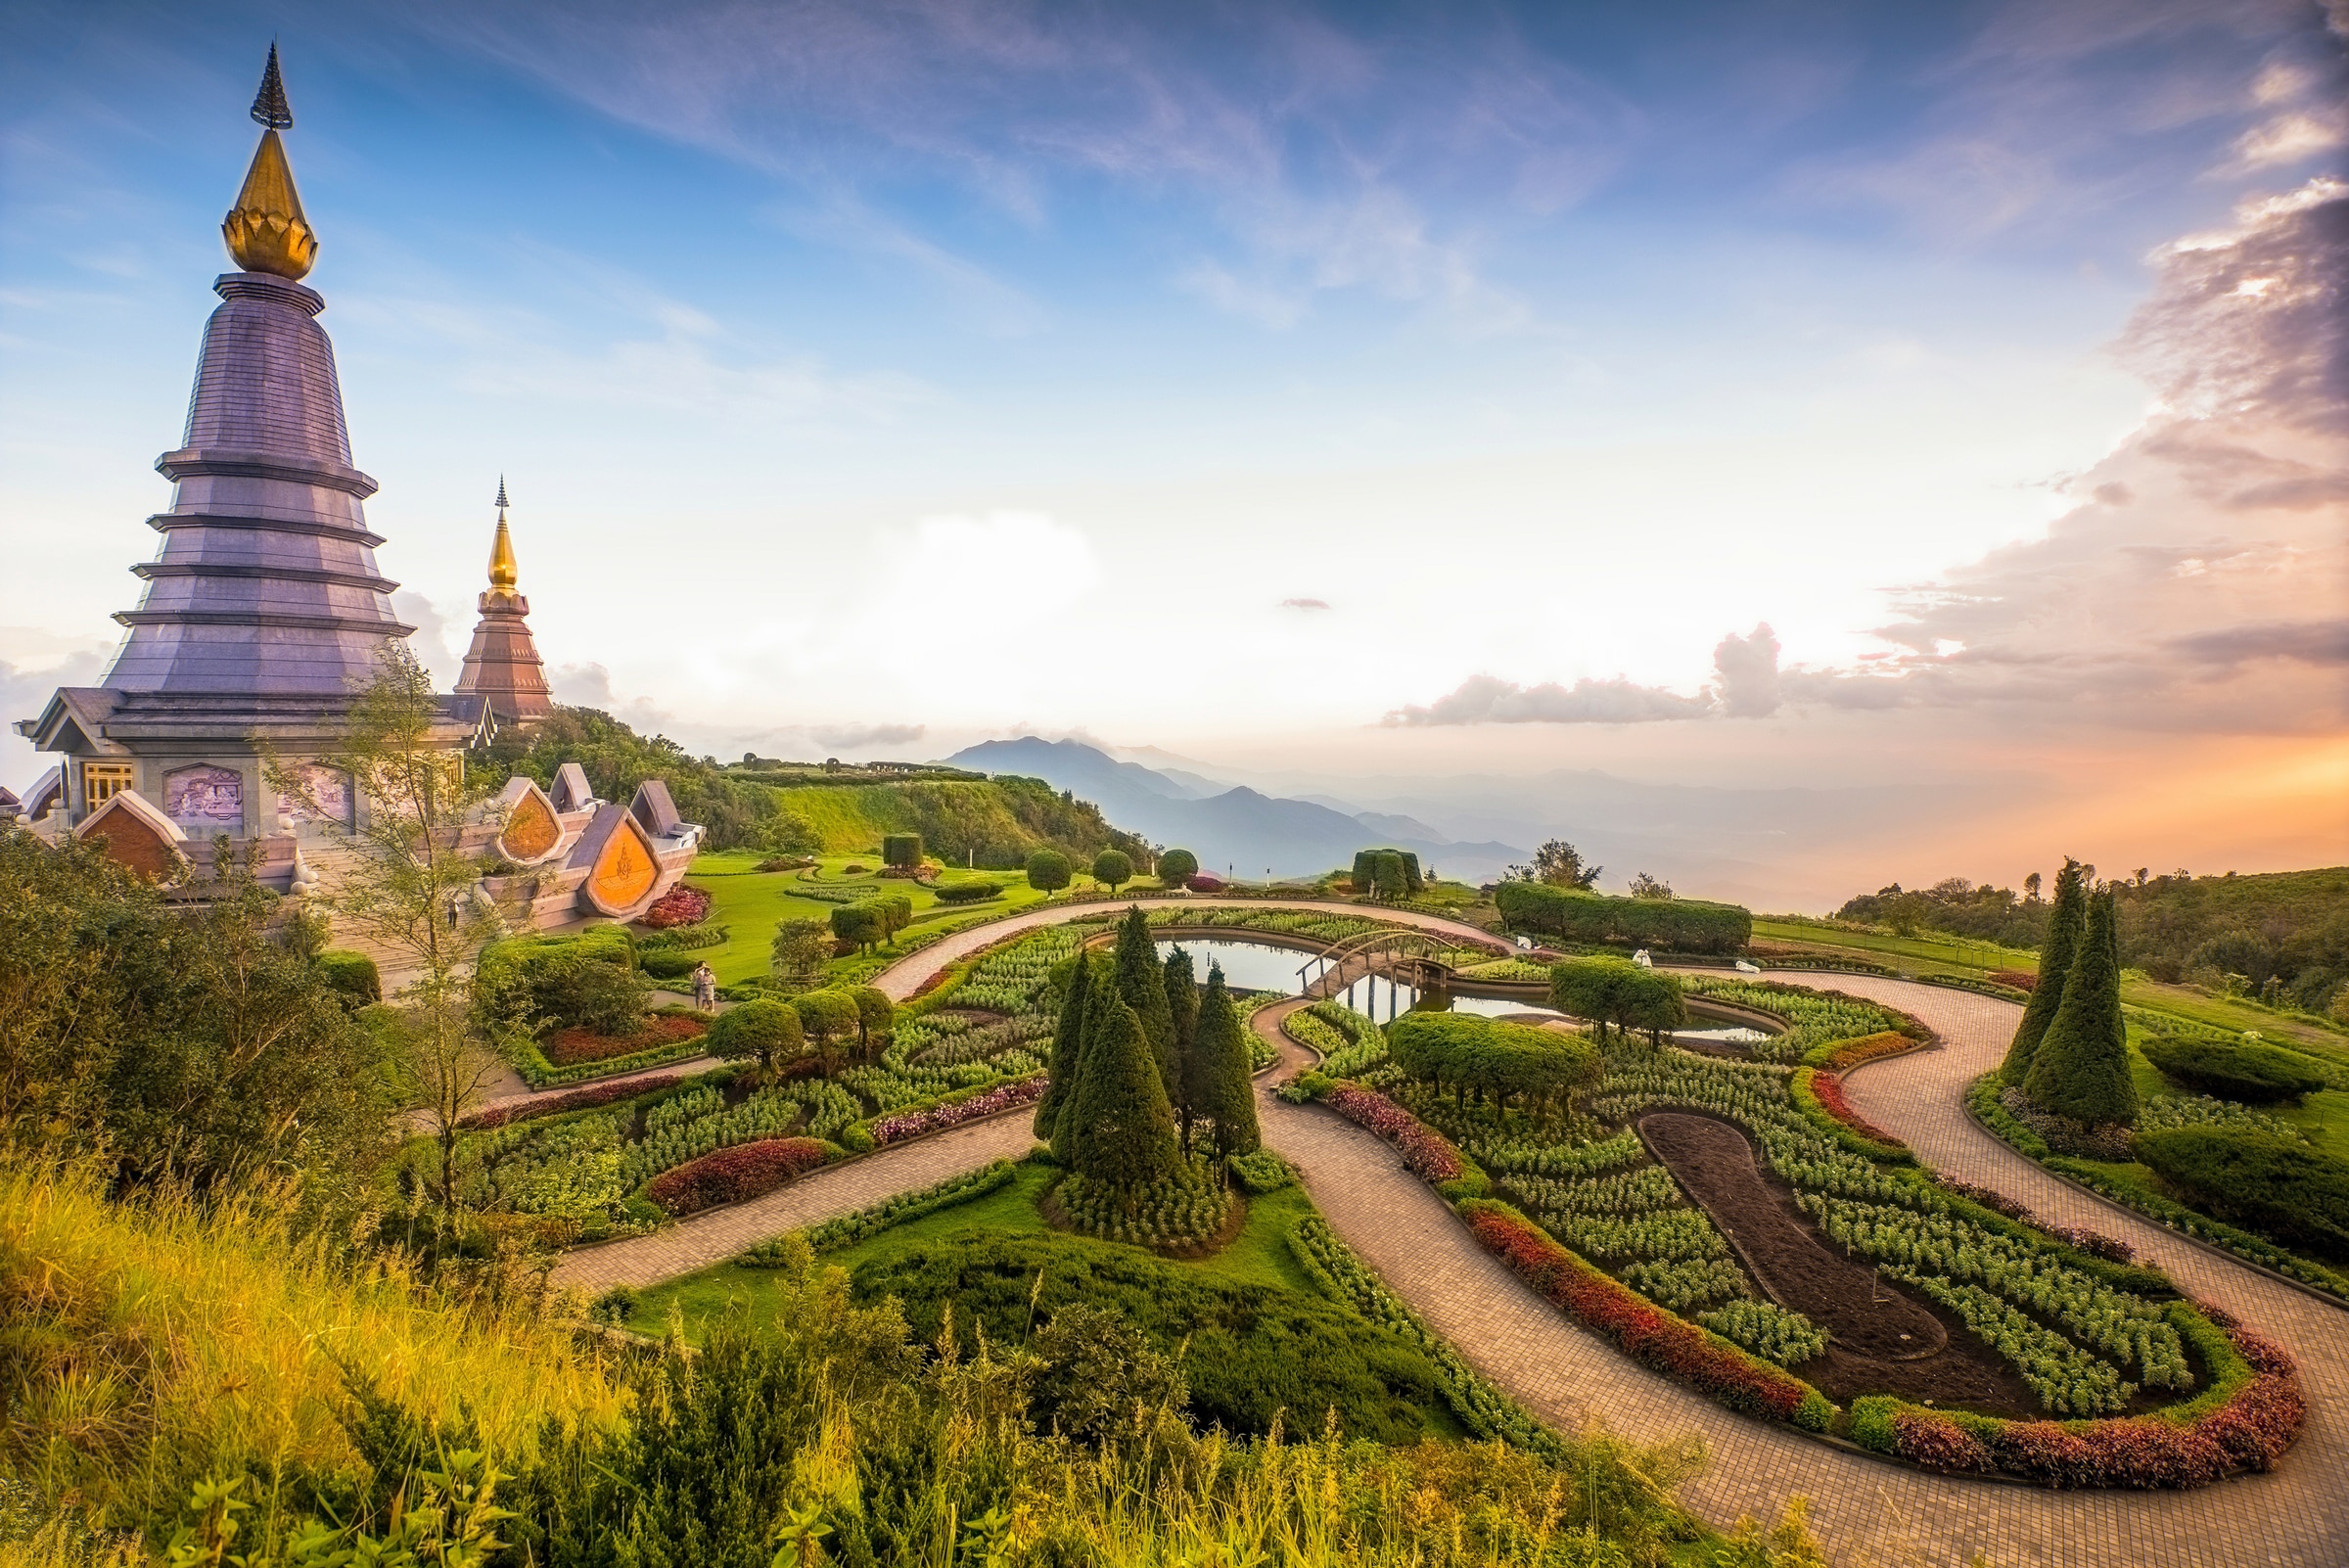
(1681, 925)
(902, 849)
(729, 1176)
(2286, 1188)
(966, 893)
(665, 964)
(1645, 1331)
(2235, 1070)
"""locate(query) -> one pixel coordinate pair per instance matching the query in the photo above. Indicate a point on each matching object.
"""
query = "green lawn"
(1260, 1255)
(750, 902)
(1963, 954)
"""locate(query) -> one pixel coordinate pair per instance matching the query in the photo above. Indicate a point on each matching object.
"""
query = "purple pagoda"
(264, 606)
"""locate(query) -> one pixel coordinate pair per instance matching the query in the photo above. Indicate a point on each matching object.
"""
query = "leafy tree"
(2031, 885)
(829, 1019)
(1644, 886)
(1177, 867)
(2066, 924)
(901, 849)
(1560, 864)
(802, 951)
(407, 885)
(1226, 1093)
(860, 923)
(1049, 871)
(193, 1042)
(2081, 1068)
(1142, 983)
(893, 911)
(876, 1016)
(1113, 869)
(1127, 1131)
(763, 1027)
(1182, 1004)
(1615, 991)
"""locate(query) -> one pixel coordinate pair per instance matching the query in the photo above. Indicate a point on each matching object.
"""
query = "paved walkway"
(1870, 1511)
(713, 1237)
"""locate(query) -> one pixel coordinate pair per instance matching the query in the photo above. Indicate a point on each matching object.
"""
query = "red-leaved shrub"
(730, 1175)
(681, 905)
(1645, 1331)
(2250, 1431)
(578, 1100)
(2019, 979)
(1828, 1086)
(1424, 1150)
(572, 1047)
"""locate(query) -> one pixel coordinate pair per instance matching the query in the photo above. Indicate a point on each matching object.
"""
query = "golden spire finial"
(502, 553)
(265, 230)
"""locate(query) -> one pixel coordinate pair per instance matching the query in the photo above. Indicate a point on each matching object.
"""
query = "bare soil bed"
(1882, 1340)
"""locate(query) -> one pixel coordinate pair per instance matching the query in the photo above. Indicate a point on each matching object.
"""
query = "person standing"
(705, 988)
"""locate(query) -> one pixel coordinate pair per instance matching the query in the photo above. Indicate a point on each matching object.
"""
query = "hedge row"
(1684, 925)
(1643, 1331)
(2236, 1069)
(2287, 1188)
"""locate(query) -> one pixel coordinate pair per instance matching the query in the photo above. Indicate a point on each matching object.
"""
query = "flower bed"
(730, 1175)
(1643, 1331)
(1425, 1150)
(1845, 1055)
(575, 1047)
(681, 905)
(2249, 1418)
(1828, 1086)
(579, 1100)
(954, 1113)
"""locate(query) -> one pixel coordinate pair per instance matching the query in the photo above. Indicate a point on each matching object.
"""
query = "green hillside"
(782, 808)
(2280, 936)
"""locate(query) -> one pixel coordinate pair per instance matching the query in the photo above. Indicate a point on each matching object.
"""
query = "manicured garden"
(1715, 1220)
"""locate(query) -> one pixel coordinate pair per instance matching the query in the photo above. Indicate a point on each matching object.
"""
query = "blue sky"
(1544, 346)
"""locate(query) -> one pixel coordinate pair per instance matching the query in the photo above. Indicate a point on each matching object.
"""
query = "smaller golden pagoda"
(503, 667)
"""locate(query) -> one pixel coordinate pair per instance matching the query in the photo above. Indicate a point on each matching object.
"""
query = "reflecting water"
(1259, 967)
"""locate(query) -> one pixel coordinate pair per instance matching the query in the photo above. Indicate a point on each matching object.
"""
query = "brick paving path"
(1867, 1510)
(707, 1238)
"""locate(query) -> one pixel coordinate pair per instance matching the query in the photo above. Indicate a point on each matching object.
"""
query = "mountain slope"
(1239, 831)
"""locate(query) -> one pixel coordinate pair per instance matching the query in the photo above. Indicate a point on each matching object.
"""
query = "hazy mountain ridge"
(1239, 831)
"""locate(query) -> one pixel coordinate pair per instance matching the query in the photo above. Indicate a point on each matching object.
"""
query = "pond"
(1260, 966)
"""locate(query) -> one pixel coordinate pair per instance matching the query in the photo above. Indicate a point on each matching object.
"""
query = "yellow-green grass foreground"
(155, 1342)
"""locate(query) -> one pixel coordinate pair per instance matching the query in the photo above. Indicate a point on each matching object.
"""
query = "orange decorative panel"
(531, 830)
(624, 873)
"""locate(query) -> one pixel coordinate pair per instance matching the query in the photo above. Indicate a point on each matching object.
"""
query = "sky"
(1943, 401)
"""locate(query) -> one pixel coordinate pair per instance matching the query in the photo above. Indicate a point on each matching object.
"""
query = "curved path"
(1866, 1509)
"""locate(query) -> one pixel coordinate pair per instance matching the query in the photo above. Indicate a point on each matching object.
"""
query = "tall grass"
(145, 1345)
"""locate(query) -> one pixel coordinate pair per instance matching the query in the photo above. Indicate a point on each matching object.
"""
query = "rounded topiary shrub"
(663, 964)
(351, 976)
(766, 1029)
(2235, 1070)
(967, 893)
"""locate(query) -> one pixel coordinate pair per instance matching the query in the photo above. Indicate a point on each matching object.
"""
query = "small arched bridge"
(1401, 957)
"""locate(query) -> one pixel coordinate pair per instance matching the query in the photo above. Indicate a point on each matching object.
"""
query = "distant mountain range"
(1234, 831)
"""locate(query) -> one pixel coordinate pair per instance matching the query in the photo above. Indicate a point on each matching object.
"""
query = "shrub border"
(2214, 1237)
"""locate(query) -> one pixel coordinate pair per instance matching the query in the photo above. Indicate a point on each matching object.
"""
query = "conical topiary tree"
(2081, 1069)
(1125, 1133)
(1227, 1092)
(1101, 989)
(1182, 1007)
(1142, 983)
(2066, 921)
(1067, 1036)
